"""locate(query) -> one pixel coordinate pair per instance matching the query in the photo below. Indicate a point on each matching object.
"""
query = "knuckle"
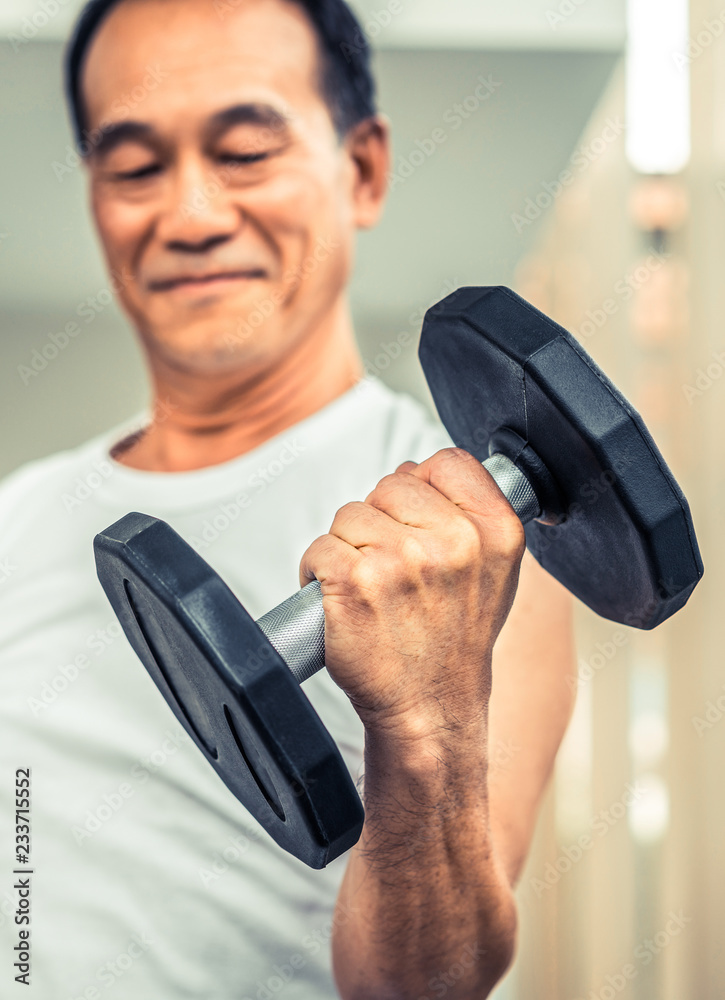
(509, 537)
(391, 481)
(362, 576)
(413, 552)
(454, 454)
(463, 461)
(387, 485)
(348, 512)
(464, 545)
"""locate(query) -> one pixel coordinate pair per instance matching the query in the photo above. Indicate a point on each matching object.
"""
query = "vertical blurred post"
(695, 850)
(578, 934)
(633, 262)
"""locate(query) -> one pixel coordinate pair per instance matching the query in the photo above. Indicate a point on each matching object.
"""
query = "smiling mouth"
(204, 280)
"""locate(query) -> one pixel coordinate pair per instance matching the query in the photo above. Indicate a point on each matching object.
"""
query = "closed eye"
(152, 169)
(243, 158)
(141, 173)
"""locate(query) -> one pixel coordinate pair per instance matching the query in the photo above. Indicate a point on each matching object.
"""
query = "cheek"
(302, 202)
(120, 227)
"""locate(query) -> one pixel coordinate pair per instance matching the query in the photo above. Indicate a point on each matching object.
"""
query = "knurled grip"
(296, 628)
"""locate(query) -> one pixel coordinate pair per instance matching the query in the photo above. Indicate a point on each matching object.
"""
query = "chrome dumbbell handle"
(296, 628)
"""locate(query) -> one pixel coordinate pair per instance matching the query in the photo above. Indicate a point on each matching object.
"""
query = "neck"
(201, 420)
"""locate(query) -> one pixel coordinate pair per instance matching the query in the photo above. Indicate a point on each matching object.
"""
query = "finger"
(410, 500)
(407, 467)
(462, 479)
(363, 525)
(326, 559)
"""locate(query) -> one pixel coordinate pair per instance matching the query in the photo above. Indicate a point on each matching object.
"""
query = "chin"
(210, 348)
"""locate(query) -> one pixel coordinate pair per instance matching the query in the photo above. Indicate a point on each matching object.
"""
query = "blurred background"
(591, 177)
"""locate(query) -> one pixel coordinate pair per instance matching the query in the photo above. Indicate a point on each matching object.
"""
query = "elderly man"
(227, 190)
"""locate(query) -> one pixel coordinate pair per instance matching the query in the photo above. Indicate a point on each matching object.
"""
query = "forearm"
(425, 899)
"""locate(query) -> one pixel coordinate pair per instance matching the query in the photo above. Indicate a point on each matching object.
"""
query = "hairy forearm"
(425, 900)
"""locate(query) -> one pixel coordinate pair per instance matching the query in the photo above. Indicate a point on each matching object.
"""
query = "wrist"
(416, 732)
(413, 758)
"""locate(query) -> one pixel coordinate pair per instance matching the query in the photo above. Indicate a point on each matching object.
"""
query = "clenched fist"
(417, 582)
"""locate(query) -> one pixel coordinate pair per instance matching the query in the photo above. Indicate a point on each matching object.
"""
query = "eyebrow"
(113, 134)
(263, 115)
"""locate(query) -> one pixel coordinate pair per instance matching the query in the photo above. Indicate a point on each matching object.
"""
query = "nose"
(199, 244)
(198, 214)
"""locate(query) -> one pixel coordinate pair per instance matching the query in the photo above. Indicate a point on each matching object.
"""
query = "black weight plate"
(627, 545)
(229, 688)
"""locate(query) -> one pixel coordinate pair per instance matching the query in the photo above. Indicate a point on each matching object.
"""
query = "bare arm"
(428, 887)
(422, 612)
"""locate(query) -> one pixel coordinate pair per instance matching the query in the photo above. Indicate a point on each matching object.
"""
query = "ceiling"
(529, 24)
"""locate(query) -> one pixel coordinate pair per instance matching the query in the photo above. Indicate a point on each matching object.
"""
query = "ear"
(368, 146)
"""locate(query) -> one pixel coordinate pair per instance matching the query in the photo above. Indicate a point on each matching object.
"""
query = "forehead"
(176, 60)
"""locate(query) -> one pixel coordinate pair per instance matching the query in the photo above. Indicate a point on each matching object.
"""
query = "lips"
(203, 280)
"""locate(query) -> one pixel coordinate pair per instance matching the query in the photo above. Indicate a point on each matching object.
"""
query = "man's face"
(224, 200)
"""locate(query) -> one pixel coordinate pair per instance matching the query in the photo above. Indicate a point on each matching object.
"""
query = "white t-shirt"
(150, 881)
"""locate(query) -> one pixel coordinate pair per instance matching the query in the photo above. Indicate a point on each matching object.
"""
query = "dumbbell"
(602, 513)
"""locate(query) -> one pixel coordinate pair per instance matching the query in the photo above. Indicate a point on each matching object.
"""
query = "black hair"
(346, 81)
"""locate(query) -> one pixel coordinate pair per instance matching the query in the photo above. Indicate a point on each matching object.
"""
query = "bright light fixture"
(649, 813)
(658, 85)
